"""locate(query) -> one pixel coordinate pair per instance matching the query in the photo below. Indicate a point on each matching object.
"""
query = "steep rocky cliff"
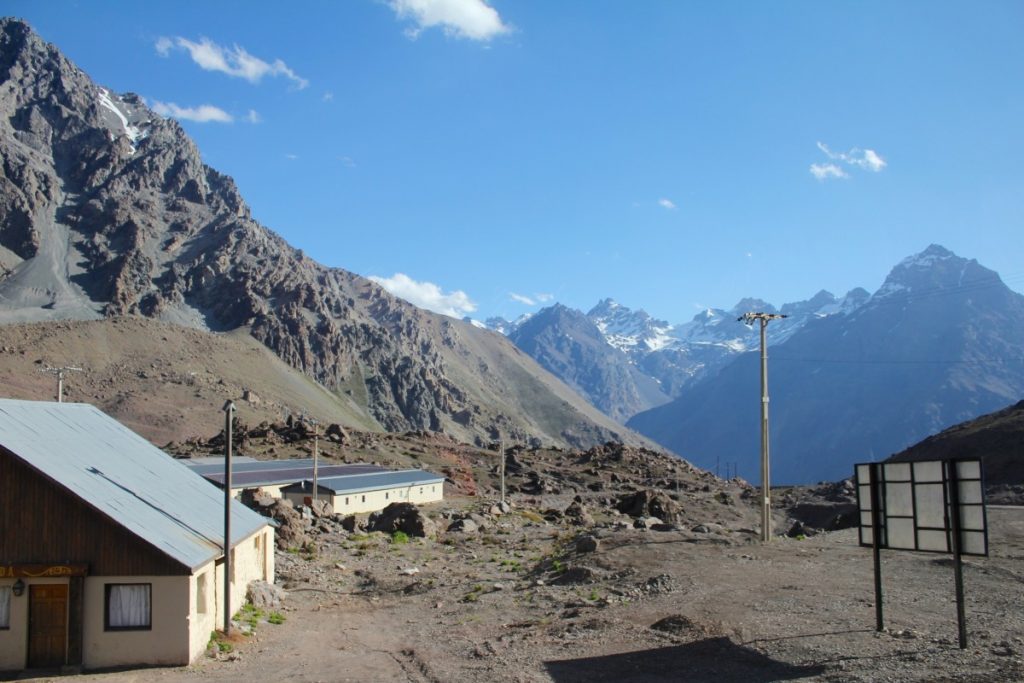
(107, 210)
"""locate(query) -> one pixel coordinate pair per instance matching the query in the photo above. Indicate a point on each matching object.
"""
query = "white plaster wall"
(371, 501)
(247, 567)
(14, 641)
(166, 642)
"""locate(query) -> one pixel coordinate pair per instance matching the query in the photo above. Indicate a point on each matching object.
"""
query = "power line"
(985, 361)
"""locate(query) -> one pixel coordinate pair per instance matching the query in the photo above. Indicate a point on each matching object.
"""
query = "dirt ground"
(496, 606)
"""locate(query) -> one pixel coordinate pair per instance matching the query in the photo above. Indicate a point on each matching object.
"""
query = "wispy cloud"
(826, 171)
(472, 19)
(327, 96)
(544, 298)
(291, 157)
(427, 295)
(347, 162)
(253, 116)
(234, 61)
(864, 159)
(531, 299)
(666, 204)
(522, 299)
(204, 113)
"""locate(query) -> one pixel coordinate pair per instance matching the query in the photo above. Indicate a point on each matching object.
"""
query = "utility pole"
(766, 501)
(229, 411)
(60, 378)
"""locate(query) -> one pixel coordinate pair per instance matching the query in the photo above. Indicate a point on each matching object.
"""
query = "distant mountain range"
(624, 361)
(853, 378)
(107, 210)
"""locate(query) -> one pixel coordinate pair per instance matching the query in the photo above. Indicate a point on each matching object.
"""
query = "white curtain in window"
(129, 605)
(5, 606)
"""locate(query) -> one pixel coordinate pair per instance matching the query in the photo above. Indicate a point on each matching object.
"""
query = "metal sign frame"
(915, 500)
(933, 506)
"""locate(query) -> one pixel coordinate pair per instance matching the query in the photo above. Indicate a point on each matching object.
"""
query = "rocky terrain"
(107, 210)
(613, 563)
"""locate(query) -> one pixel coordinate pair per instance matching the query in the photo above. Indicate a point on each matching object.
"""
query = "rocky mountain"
(940, 342)
(568, 344)
(996, 438)
(107, 210)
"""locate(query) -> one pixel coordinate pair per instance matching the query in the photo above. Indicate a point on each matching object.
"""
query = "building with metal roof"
(112, 551)
(368, 492)
(271, 475)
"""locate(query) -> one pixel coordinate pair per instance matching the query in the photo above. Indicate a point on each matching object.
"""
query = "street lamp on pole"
(766, 501)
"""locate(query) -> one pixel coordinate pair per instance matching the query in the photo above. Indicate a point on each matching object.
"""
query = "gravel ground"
(518, 602)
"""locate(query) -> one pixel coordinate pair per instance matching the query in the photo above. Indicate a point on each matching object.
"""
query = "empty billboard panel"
(916, 503)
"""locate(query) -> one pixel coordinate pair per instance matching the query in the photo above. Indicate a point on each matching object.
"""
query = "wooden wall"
(42, 522)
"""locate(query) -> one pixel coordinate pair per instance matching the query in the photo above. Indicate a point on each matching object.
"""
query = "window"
(421, 489)
(5, 607)
(129, 607)
(364, 498)
(386, 495)
(201, 594)
(346, 500)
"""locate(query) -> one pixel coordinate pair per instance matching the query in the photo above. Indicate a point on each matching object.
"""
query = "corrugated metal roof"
(275, 472)
(357, 483)
(125, 477)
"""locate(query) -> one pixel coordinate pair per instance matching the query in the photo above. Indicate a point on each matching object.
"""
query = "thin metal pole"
(60, 386)
(766, 501)
(501, 455)
(958, 565)
(316, 453)
(229, 410)
(876, 540)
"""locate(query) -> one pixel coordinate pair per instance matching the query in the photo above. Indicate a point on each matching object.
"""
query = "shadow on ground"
(713, 659)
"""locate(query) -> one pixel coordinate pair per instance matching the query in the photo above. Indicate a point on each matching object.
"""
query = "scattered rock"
(587, 544)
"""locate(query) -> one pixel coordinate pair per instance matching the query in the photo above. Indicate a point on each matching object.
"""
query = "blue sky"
(671, 155)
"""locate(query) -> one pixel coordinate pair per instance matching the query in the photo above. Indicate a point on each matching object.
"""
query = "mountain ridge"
(107, 210)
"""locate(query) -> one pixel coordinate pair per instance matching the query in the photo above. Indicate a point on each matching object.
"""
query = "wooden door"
(47, 625)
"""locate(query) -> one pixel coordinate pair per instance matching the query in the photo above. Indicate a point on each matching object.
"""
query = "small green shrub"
(399, 537)
(275, 618)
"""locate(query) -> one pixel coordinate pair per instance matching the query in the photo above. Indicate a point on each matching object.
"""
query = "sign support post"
(958, 564)
(876, 543)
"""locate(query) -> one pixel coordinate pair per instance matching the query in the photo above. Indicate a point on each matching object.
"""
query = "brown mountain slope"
(996, 438)
(107, 210)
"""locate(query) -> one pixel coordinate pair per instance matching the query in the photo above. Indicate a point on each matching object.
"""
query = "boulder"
(404, 517)
(648, 503)
(265, 595)
(464, 526)
(587, 544)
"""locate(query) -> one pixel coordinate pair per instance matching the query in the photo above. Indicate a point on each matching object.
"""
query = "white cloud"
(427, 295)
(204, 113)
(233, 61)
(291, 157)
(327, 96)
(164, 45)
(522, 299)
(826, 171)
(347, 161)
(544, 298)
(666, 204)
(472, 19)
(253, 116)
(866, 159)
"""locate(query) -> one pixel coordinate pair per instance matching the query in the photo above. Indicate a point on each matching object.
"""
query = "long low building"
(370, 491)
(270, 475)
(111, 552)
